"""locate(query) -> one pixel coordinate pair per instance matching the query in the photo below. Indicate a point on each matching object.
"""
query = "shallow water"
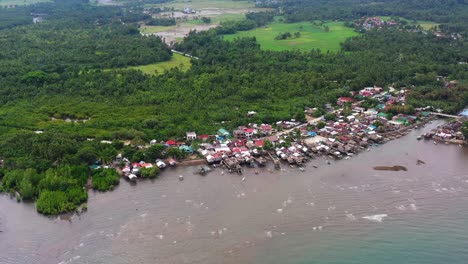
(345, 212)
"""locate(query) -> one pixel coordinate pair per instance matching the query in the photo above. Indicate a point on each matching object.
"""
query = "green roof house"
(403, 121)
(425, 113)
(382, 115)
(223, 133)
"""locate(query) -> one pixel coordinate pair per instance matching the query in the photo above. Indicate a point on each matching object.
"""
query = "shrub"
(53, 203)
(105, 179)
(150, 172)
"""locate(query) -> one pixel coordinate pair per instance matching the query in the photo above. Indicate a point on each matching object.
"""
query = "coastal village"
(347, 128)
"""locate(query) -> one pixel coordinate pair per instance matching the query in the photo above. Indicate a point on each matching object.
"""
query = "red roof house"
(171, 142)
(343, 100)
(259, 143)
(204, 137)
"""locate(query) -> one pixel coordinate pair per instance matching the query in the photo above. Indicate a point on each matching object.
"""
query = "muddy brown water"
(345, 212)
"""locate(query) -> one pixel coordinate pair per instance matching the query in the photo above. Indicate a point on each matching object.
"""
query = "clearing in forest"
(217, 10)
(177, 60)
(426, 25)
(312, 35)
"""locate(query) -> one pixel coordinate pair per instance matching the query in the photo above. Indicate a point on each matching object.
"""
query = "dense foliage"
(105, 179)
(61, 190)
(252, 20)
(150, 172)
(464, 129)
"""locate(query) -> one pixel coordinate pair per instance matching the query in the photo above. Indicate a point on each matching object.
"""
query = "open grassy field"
(21, 2)
(312, 36)
(424, 24)
(217, 10)
(427, 24)
(217, 19)
(192, 23)
(155, 29)
(203, 4)
(159, 68)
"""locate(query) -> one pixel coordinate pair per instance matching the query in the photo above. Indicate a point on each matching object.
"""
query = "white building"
(191, 135)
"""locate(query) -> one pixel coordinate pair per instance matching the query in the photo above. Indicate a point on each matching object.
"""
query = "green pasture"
(218, 18)
(159, 68)
(312, 36)
(203, 4)
(155, 29)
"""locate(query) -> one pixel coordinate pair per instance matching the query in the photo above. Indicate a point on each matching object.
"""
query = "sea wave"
(376, 218)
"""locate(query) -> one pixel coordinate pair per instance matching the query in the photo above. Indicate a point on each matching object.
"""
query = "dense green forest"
(56, 77)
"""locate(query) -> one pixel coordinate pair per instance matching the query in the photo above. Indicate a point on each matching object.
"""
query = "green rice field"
(312, 36)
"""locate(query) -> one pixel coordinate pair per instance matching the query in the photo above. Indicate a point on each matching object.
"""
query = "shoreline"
(192, 162)
(232, 165)
(321, 161)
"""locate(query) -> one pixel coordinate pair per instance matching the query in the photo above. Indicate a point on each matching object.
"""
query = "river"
(345, 212)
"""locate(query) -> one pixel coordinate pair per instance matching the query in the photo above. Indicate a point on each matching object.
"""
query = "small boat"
(203, 170)
(181, 177)
(419, 138)
(172, 162)
(301, 169)
(435, 143)
(160, 164)
(126, 169)
(132, 177)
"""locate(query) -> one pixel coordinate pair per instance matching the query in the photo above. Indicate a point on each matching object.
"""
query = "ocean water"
(344, 212)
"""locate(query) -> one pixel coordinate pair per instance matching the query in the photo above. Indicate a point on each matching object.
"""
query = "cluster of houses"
(445, 35)
(295, 143)
(243, 144)
(338, 138)
(346, 135)
(386, 99)
(448, 132)
(246, 145)
(370, 23)
(132, 171)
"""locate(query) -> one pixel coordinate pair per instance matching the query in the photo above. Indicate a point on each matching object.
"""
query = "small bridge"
(184, 54)
(445, 115)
